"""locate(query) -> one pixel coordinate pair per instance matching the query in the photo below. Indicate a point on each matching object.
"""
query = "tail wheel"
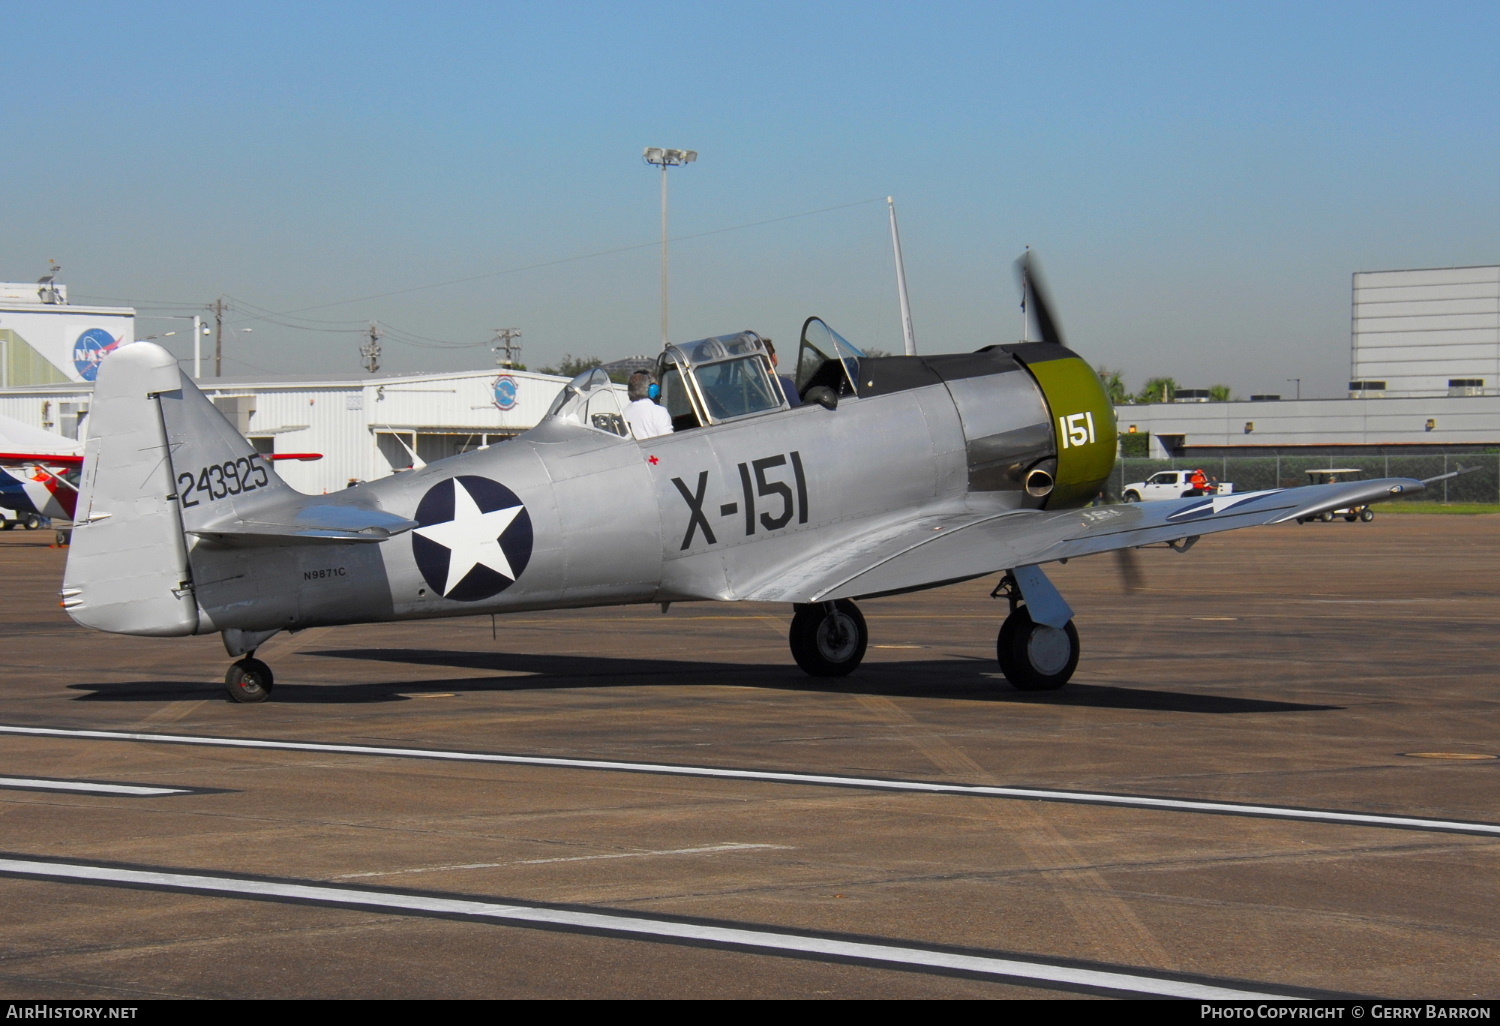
(249, 680)
(829, 642)
(1033, 656)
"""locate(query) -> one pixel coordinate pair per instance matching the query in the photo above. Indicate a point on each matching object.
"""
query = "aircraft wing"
(41, 457)
(937, 549)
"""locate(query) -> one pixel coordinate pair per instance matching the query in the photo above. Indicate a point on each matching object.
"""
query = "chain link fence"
(1253, 473)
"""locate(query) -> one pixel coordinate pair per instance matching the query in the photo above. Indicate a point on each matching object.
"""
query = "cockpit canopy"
(717, 380)
(714, 380)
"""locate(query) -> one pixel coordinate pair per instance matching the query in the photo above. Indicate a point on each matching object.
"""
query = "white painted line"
(896, 955)
(781, 777)
(88, 787)
(711, 849)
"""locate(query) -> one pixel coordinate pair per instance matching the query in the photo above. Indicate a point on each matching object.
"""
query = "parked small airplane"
(894, 474)
(38, 472)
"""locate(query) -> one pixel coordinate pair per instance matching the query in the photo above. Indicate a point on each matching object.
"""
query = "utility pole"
(218, 309)
(371, 349)
(505, 342)
(198, 332)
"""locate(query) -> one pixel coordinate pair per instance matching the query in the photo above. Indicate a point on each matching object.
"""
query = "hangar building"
(1429, 332)
(44, 339)
(365, 427)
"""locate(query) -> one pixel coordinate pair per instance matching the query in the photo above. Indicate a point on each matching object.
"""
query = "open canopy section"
(826, 359)
(590, 400)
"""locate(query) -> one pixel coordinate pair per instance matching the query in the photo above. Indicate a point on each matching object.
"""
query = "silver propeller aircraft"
(894, 474)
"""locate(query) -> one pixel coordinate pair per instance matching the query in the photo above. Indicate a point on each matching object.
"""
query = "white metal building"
(1413, 424)
(1429, 332)
(46, 340)
(365, 427)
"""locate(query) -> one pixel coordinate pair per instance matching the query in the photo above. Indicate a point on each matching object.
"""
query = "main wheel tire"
(249, 680)
(1132, 496)
(828, 643)
(1035, 657)
(1367, 515)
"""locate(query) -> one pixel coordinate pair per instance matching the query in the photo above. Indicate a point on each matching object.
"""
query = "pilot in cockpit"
(646, 419)
(788, 385)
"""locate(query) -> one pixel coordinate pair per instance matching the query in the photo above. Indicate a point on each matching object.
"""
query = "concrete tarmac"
(1338, 668)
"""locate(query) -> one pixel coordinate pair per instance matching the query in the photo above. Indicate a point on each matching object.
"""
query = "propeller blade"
(1130, 570)
(1034, 293)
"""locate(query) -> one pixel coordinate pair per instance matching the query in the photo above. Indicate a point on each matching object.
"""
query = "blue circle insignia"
(474, 540)
(506, 390)
(90, 349)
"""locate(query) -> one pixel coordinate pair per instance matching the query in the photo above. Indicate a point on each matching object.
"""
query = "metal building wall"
(1425, 421)
(1417, 330)
(345, 420)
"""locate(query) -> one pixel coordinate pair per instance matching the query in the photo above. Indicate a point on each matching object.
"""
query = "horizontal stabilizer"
(306, 523)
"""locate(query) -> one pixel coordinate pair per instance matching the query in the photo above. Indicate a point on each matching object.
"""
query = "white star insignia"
(1219, 503)
(472, 538)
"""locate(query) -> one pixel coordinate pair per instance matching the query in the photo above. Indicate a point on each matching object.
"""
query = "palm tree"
(1114, 385)
(1157, 390)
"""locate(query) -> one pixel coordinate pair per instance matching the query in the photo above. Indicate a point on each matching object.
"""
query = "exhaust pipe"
(1039, 484)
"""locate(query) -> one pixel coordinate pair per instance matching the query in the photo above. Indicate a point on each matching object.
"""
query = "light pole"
(199, 330)
(1299, 385)
(664, 159)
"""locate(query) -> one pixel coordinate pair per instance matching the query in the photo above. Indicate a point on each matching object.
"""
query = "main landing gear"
(249, 680)
(1033, 656)
(828, 638)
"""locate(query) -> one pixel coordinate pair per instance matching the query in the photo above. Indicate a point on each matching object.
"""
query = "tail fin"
(127, 567)
(165, 473)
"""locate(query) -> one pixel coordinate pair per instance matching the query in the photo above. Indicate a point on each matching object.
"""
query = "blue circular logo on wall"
(506, 391)
(90, 349)
(474, 540)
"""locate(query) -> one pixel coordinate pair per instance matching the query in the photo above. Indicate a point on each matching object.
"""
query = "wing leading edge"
(932, 550)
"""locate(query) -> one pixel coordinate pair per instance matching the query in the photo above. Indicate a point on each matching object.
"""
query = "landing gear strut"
(249, 680)
(829, 638)
(1033, 656)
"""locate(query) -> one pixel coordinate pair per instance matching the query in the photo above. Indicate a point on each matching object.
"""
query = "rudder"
(127, 569)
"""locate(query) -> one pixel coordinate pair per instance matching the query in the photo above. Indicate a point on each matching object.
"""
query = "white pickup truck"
(1170, 484)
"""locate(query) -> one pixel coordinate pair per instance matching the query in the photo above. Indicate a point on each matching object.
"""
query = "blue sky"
(1201, 179)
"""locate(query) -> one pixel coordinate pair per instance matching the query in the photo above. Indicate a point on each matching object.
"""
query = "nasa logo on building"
(507, 390)
(90, 349)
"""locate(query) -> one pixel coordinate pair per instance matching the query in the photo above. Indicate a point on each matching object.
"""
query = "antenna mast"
(906, 329)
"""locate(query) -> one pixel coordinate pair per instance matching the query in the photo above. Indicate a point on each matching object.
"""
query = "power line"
(583, 256)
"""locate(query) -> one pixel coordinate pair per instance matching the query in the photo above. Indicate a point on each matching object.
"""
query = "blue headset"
(654, 392)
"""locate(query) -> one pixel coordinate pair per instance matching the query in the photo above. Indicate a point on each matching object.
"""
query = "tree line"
(1155, 390)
